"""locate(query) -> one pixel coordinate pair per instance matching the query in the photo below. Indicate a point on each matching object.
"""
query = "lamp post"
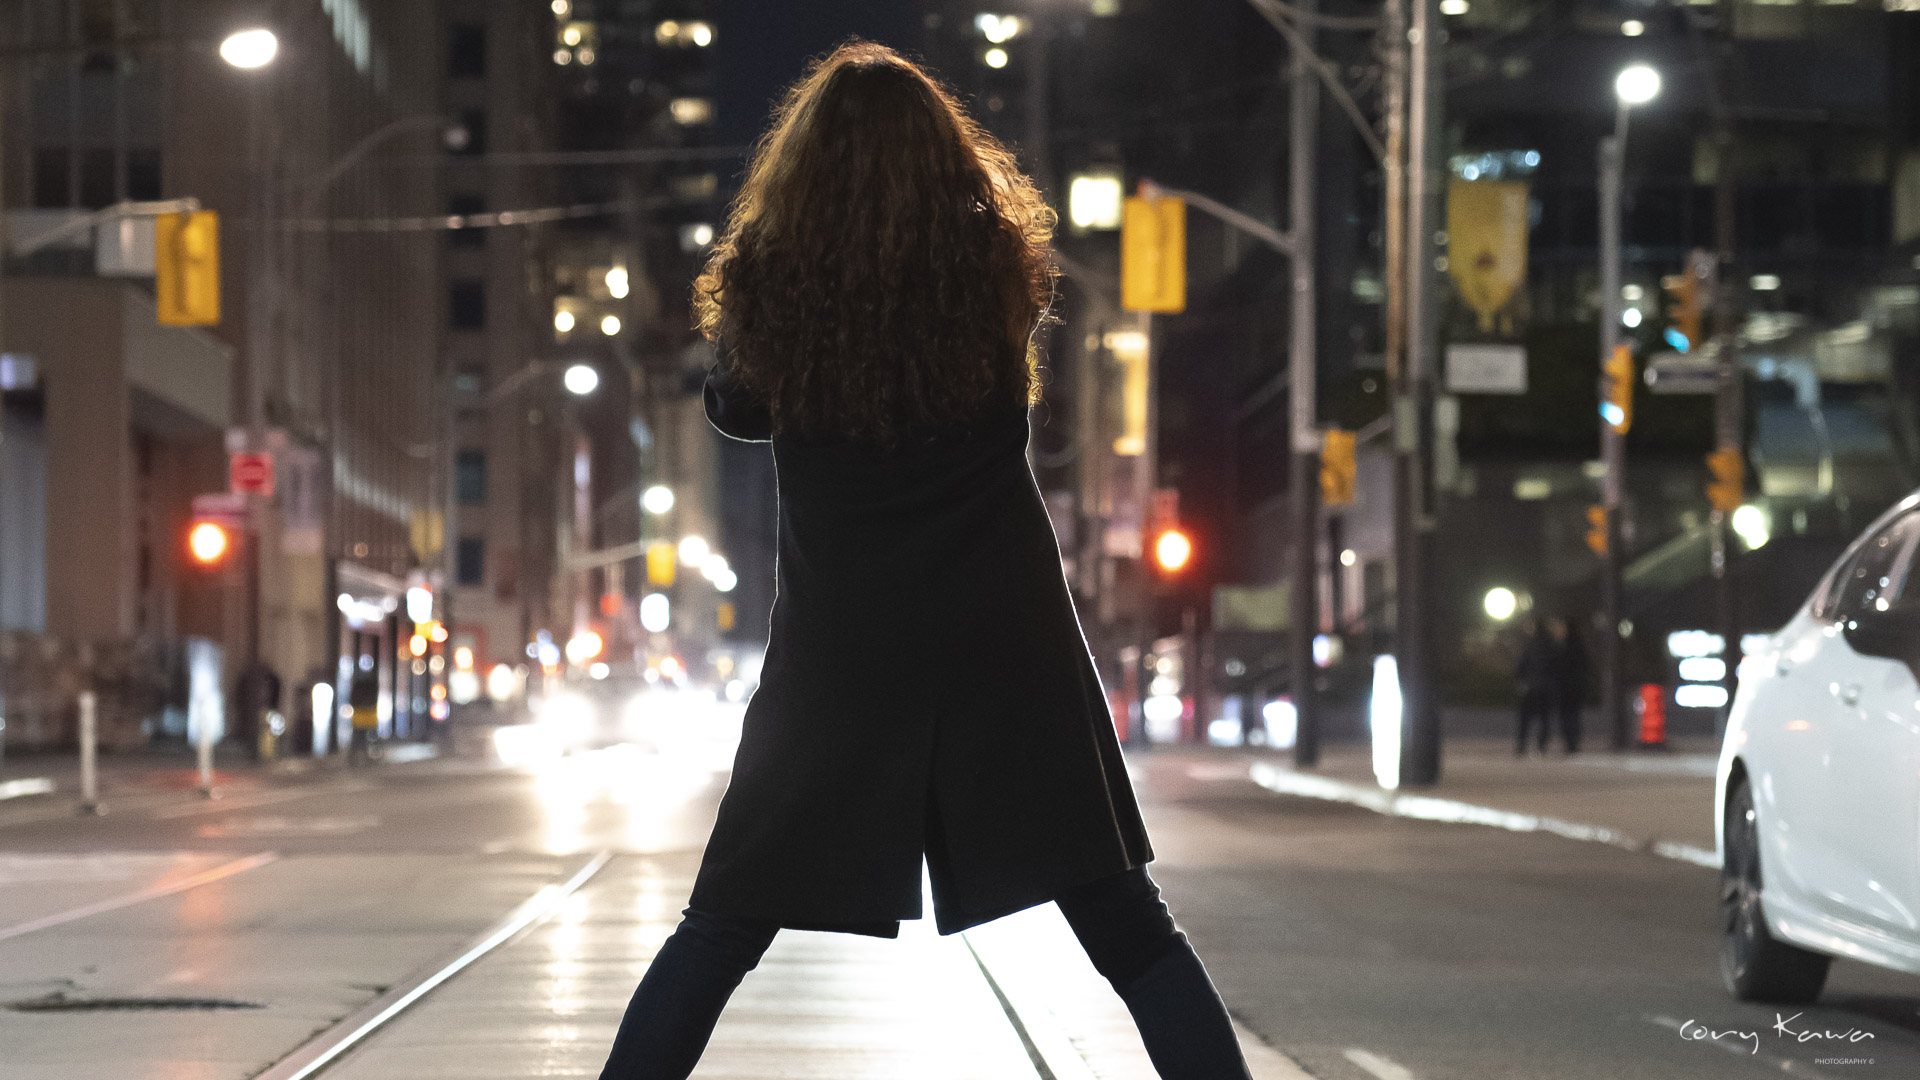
(1636, 84)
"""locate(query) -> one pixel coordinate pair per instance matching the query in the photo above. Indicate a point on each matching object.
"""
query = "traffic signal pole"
(1304, 591)
(1613, 447)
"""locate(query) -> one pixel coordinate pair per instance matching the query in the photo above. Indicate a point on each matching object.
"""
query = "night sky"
(768, 43)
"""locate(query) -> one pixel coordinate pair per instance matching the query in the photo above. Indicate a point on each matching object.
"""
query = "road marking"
(1745, 1050)
(319, 1052)
(1378, 1064)
(26, 785)
(1429, 808)
(152, 892)
(247, 802)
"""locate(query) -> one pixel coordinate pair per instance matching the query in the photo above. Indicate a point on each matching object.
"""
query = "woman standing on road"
(927, 691)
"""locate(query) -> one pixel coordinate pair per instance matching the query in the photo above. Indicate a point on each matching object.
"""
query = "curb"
(1429, 808)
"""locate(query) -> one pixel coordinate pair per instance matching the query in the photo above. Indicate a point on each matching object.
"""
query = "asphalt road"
(1367, 948)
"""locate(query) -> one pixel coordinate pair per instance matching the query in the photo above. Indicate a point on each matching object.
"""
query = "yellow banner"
(1487, 245)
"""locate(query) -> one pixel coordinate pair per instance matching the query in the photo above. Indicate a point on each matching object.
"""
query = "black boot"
(1182, 1020)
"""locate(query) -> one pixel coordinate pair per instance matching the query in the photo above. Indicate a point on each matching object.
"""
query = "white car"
(1817, 804)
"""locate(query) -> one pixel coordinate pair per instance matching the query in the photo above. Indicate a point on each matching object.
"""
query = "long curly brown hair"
(885, 264)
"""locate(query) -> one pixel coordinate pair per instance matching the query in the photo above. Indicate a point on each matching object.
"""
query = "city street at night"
(959, 540)
(1358, 945)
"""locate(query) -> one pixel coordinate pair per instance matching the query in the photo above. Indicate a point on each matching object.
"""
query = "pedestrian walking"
(1573, 682)
(1539, 665)
(927, 691)
(363, 697)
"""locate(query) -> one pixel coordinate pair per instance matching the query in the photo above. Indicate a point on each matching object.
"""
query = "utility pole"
(1304, 133)
(1613, 445)
(1728, 407)
(1420, 741)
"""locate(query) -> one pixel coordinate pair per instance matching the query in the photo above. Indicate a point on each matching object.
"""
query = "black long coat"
(927, 690)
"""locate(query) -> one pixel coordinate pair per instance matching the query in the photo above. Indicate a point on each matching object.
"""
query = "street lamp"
(657, 499)
(1636, 84)
(581, 380)
(251, 48)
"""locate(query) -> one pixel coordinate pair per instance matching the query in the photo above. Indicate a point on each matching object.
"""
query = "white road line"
(317, 1053)
(1745, 1049)
(26, 785)
(1378, 1064)
(1429, 808)
(152, 892)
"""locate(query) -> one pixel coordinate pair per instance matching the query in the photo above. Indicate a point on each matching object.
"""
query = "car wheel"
(1754, 964)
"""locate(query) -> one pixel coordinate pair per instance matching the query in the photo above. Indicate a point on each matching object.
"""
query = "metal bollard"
(89, 748)
(204, 751)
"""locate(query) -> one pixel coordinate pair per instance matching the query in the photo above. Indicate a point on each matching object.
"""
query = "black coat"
(927, 691)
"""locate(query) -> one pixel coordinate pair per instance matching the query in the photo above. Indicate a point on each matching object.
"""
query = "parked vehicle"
(1817, 807)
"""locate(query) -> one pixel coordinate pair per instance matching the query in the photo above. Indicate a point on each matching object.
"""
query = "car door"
(1872, 814)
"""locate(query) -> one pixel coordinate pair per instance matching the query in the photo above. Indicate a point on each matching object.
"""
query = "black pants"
(1120, 921)
(1536, 709)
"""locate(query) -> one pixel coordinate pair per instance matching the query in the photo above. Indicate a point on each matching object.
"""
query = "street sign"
(1695, 372)
(250, 473)
(1486, 369)
(221, 508)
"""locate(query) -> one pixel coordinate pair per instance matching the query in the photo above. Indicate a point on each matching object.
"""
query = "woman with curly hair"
(927, 692)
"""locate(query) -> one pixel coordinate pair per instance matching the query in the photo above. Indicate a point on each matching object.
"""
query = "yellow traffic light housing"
(1687, 295)
(186, 268)
(1597, 530)
(661, 560)
(1337, 467)
(1729, 484)
(1153, 254)
(1616, 389)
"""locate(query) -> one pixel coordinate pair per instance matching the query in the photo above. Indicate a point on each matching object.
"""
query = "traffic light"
(1687, 294)
(1153, 254)
(186, 268)
(661, 559)
(208, 543)
(1172, 550)
(1729, 484)
(1597, 530)
(1616, 389)
(724, 615)
(1337, 467)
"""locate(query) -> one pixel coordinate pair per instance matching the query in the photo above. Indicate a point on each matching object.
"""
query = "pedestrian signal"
(1153, 254)
(186, 268)
(1337, 467)
(1616, 390)
(1597, 530)
(1729, 484)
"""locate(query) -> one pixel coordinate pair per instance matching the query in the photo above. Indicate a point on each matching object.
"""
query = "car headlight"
(568, 716)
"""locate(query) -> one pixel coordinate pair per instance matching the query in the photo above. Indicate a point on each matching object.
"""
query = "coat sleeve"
(729, 411)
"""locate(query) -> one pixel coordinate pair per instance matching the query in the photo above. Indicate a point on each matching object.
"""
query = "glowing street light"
(581, 380)
(249, 49)
(610, 325)
(1500, 603)
(1636, 84)
(563, 321)
(617, 282)
(694, 551)
(657, 499)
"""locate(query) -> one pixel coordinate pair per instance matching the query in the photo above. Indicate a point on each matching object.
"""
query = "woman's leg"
(1131, 939)
(672, 1014)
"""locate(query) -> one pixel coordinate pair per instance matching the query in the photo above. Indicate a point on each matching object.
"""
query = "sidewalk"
(41, 786)
(1659, 801)
(1016, 999)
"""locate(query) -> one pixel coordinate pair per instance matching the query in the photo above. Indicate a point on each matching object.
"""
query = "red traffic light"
(1172, 550)
(208, 542)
